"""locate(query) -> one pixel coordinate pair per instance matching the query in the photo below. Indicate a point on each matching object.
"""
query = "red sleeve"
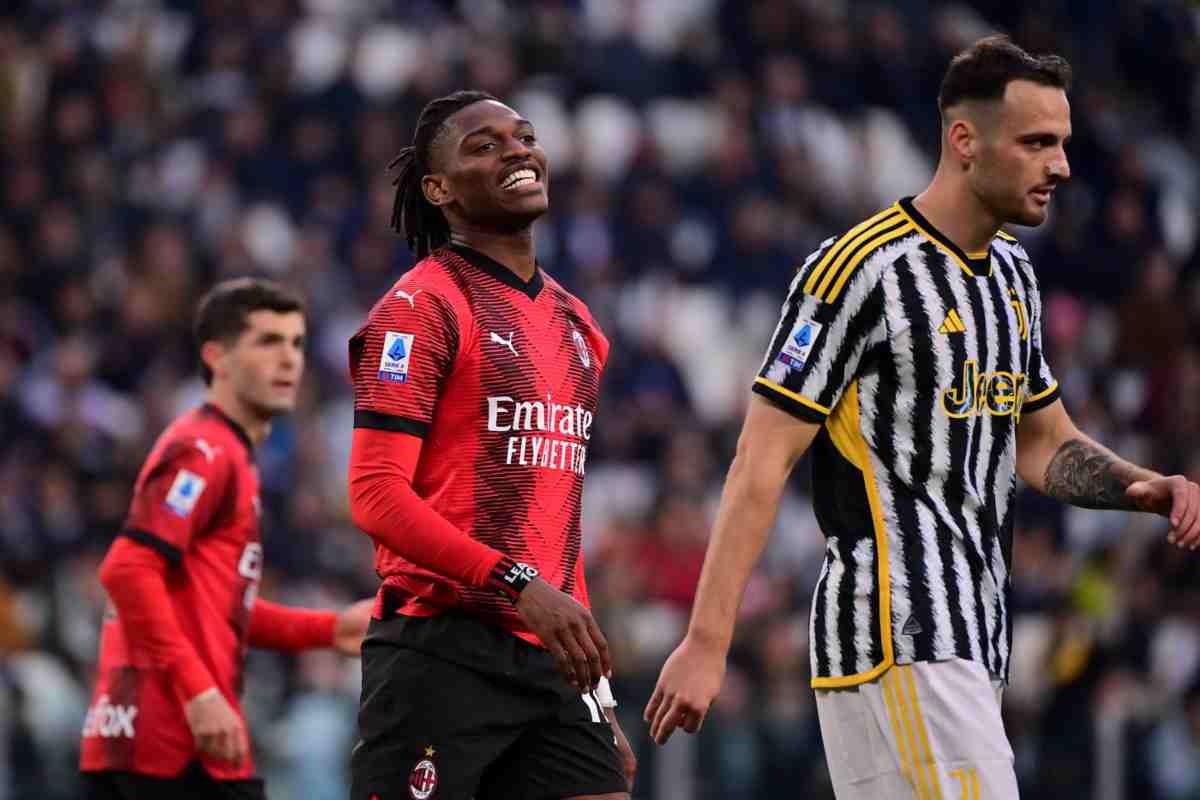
(133, 577)
(277, 627)
(385, 506)
(176, 496)
(400, 358)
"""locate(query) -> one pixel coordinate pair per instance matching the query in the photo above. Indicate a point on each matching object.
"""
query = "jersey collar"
(977, 265)
(492, 267)
(237, 429)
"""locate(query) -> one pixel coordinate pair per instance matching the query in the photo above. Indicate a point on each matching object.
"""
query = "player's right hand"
(687, 685)
(568, 631)
(216, 727)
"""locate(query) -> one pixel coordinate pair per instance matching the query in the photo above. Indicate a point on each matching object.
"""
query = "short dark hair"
(984, 70)
(421, 223)
(222, 313)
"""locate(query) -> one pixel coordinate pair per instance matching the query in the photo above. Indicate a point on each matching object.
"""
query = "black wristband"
(511, 577)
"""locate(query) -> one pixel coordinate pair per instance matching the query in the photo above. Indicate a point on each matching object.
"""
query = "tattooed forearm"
(1088, 476)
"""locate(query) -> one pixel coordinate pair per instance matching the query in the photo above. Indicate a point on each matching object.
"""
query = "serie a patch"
(397, 352)
(798, 347)
(184, 492)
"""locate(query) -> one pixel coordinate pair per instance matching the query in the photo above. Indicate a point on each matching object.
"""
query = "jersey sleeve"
(821, 340)
(1041, 387)
(177, 497)
(400, 359)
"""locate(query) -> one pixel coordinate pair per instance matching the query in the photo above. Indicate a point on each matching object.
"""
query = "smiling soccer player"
(476, 379)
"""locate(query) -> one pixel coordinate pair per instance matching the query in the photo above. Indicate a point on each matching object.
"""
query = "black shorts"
(194, 783)
(454, 708)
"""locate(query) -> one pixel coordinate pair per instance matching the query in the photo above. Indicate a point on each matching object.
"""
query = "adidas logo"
(952, 323)
(911, 627)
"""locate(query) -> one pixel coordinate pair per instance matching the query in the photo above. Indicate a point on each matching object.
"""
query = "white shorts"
(928, 731)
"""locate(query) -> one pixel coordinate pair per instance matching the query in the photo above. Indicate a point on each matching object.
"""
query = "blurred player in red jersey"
(476, 379)
(183, 573)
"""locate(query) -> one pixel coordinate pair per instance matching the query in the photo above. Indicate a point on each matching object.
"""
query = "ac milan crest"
(422, 781)
(584, 356)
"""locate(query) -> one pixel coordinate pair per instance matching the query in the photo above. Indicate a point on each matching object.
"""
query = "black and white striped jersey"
(918, 360)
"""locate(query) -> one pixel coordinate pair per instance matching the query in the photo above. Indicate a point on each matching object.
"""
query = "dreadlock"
(416, 219)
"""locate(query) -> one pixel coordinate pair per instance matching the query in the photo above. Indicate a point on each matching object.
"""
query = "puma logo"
(504, 342)
(411, 298)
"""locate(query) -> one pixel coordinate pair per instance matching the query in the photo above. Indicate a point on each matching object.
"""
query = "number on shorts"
(969, 781)
(593, 706)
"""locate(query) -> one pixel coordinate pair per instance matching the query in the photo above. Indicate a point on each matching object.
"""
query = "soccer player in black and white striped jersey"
(909, 359)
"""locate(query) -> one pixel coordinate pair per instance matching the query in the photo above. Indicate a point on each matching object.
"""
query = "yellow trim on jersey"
(799, 398)
(931, 765)
(846, 432)
(841, 243)
(889, 700)
(941, 245)
(864, 238)
(1045, 393)
(862, 254)
(1006, 236)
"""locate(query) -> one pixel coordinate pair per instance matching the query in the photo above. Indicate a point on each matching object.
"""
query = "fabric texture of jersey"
(195, 502)
(501, 379)
(918, 360)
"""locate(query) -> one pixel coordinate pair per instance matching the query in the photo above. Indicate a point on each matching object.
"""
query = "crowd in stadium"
(699, 149)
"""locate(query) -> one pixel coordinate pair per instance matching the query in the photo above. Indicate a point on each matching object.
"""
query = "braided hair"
(421, 223)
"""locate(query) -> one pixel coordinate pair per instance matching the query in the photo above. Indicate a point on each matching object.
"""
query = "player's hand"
(687, 685)
(1177, 499)
(568, 631)
(351, 627)
(216, 727)
(628, 759)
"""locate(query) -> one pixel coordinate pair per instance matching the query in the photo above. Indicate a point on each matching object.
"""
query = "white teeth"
(519, 178)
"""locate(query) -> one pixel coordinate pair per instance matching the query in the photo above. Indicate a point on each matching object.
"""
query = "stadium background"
(699, 148)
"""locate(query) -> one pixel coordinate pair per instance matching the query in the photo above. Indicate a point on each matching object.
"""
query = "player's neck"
(513, 250)
(956, 212)
(255, 426)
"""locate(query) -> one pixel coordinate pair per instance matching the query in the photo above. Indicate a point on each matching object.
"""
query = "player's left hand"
(351, 627)
(1177, 499)
(628, 759)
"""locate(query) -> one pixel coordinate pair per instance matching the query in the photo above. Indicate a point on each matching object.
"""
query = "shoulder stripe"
(1006, 236)
(862, 240)
(870, 248)
(810, 285)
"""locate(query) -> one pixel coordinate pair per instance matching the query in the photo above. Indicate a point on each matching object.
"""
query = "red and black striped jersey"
(196, 503)
(500, 378)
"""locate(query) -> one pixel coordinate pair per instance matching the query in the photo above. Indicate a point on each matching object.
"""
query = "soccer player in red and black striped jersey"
(183, 574)
(476, 380)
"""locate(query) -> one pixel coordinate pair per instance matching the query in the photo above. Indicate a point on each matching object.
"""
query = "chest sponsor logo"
(542, 433)
(397, 352)
(109, 721)
(1000, 393)
(184, 492)
(799, 344)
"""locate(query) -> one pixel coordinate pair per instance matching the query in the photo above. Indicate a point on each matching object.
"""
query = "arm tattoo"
(1084, 475)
